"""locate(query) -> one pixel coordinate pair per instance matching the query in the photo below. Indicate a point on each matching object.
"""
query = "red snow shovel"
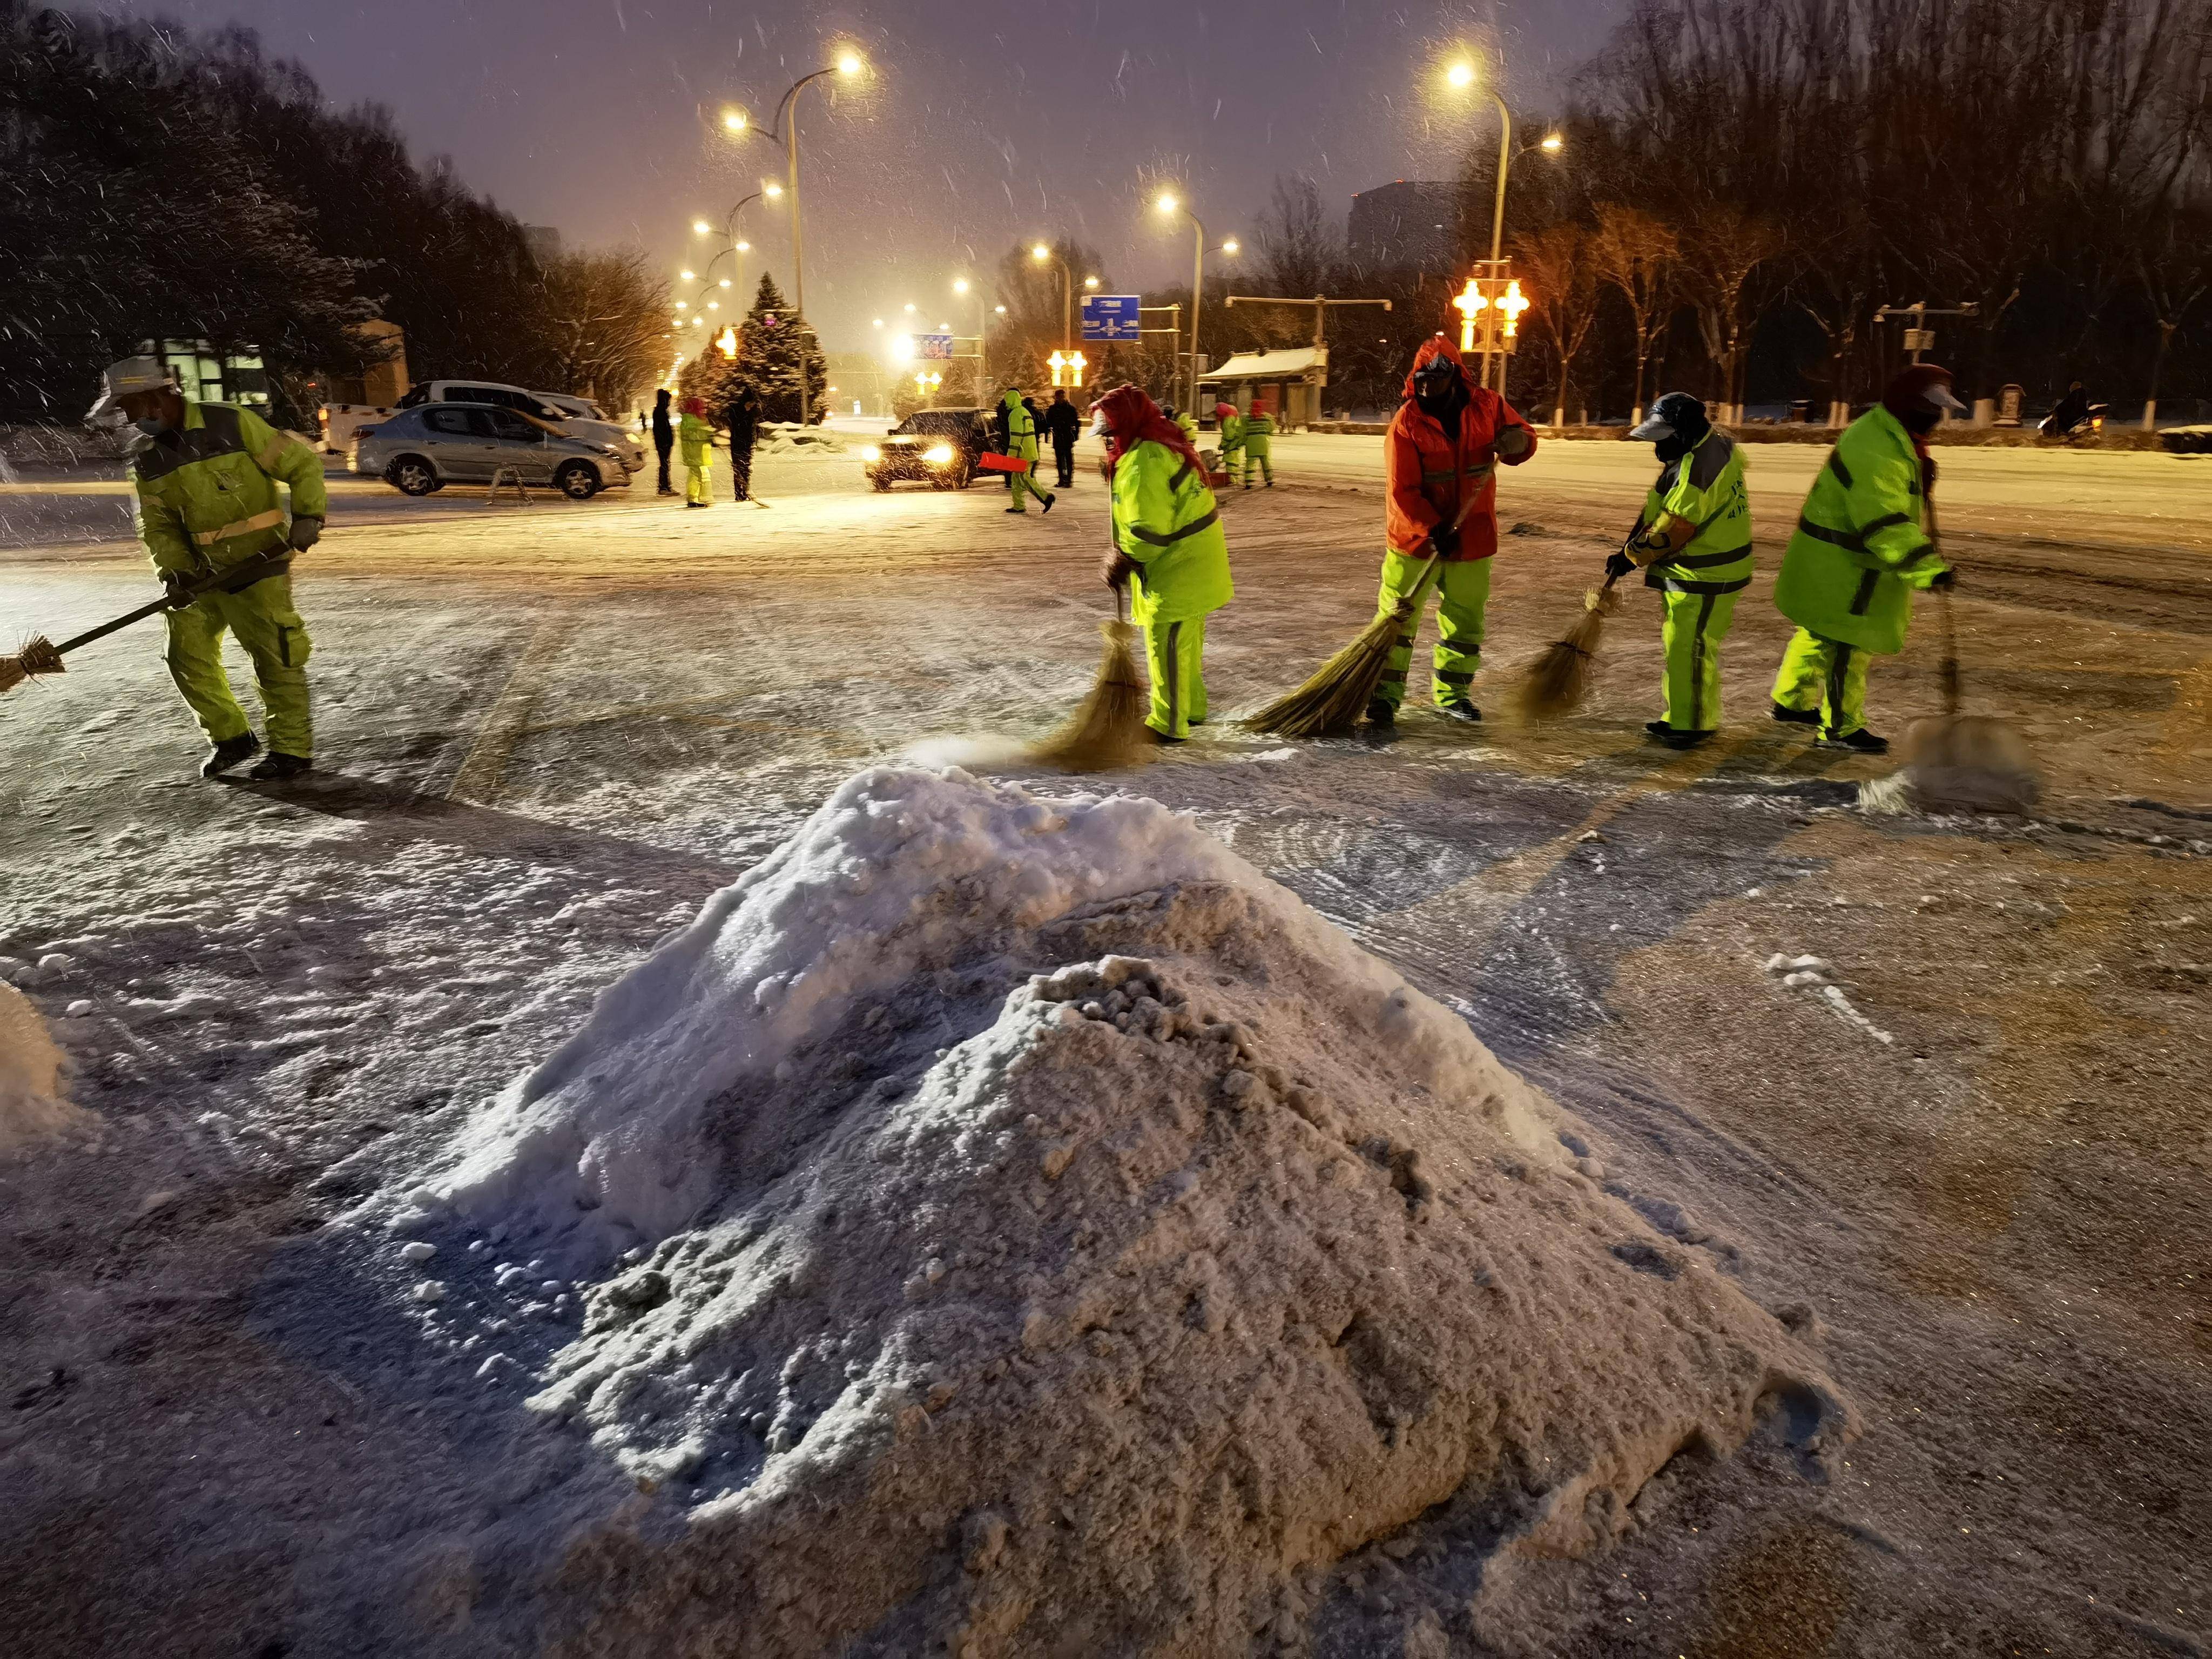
(991, 461)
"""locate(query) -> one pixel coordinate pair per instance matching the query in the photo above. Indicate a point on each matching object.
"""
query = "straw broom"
(1337, 694)
(1557, 680)
(1965, 763)
(1109, 730)
(40, 655)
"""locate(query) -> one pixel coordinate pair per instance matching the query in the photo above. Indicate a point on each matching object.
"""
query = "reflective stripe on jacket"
(1165, 518)
(1859, 551)
(211, 500)
(1430, 476)
(1696, 522)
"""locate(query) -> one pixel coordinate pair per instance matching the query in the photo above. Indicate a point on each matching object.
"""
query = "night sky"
(979, 122)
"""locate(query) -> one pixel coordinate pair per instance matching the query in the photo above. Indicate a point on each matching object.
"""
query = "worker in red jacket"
(1441, 459)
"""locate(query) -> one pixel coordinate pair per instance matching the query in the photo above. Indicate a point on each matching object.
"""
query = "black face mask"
(1922, 421)
(1671, 449)
(1444, 402)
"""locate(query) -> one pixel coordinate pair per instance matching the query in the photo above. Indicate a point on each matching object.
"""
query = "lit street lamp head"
(771, 190)
(1040, 254)
(1230, 246)
(726, 282)
(687, 275)
(848, 64)
(1461, 75)
(1553, 142)
(1091, 282)
(1167, 204)
(734, 119)
(959, 284)
(700, 227)
(744, 247)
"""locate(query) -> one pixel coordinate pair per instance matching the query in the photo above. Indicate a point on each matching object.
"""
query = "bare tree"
(1638, 255)
(2176, 273)
(605, 326)
(1557, 262)
(1298, 250)
(1723, 246)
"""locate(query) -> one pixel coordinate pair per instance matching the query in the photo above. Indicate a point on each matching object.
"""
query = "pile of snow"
(790, 437)
(1036, 1227)
(34, 1106)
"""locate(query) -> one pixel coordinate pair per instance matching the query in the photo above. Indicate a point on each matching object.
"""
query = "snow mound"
(33, 1107)
(1051, 1232)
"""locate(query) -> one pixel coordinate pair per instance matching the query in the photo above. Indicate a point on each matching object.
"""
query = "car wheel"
(881, 482)
(410, 475)
(965, 477)
(577, 480)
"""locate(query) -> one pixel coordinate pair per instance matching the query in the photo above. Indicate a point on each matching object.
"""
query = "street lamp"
(961, 285)
(1044, 255)
(784, 131)
(688, 276)
(737, 245)
(1169, 204)
(1463, 75)
(700, 228)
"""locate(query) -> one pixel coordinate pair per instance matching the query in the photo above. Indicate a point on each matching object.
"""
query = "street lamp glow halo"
(959, 284)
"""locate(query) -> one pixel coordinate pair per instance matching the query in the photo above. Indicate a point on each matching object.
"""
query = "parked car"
(941, 447)
(587, 420)
(541, 405)
(434, 444)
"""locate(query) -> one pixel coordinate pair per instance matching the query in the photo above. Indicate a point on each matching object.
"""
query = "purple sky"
(980, 122)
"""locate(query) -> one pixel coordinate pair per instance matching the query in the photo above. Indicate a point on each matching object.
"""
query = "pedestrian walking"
(697, 439)
(1061, 422)
(742, 417)
(1860, 553)
(663, 438)
(1692, 542)
(211, 518)
(1259, 428)
(1168, 550)
(1017, 429)
(1440, 460)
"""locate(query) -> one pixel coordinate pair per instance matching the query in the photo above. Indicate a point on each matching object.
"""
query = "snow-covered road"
(547, 732)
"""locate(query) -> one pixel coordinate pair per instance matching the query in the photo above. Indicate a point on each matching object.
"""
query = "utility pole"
(1320, 305)
(1919, 337)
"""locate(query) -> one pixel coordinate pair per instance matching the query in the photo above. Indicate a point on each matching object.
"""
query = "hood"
(1131, 418)
(1225, 412)
(1435, 346)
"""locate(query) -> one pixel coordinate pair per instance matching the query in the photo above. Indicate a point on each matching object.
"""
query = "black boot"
(1674, 739)
(1460, 709)
(1381, 713)
(230, 753)
(279, 766)
(1861, 742)
(1790, 716)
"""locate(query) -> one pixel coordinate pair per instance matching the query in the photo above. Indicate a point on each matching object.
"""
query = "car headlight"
(939, 453)
(870, 452)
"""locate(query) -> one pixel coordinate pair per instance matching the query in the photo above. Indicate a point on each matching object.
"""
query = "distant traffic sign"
(1110, 316)
(933, 347)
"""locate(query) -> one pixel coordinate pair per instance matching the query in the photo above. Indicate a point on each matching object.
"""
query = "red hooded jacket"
(1430, 475)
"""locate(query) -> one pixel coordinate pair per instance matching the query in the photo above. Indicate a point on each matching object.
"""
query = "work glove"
(1944, 582)
(306, 531)
(1443, 540)
(1513, 443)
(177, 585)
(1116, 568)
(1618, 566)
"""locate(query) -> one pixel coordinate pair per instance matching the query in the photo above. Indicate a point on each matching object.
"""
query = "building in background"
(1407, 223)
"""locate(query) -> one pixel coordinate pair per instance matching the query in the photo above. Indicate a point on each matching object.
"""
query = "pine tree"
(776, 346)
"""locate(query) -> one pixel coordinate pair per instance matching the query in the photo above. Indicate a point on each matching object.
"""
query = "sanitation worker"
(1018, 427)
(219, 535)
(1440, 459)
(1259, 427)
(1231, 427)
(1168, 549)
(1693, 544)
(1860, 553)
(697, 441)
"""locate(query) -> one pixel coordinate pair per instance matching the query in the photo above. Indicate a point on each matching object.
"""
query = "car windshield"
(936, 424)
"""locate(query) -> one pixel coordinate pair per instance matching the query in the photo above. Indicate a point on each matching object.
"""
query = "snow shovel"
(1965, 763)
(39, 655)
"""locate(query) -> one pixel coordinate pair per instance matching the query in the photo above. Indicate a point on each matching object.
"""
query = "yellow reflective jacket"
(1695, 537)
(697, 438)
(211, 500)
(1165, 518)
(1850, 571)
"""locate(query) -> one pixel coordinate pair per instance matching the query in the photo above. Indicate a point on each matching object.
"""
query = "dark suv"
(936, 447)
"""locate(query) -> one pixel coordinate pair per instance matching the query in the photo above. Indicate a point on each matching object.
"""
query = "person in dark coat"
(1062, 420)
(742, 419)
(663, 437)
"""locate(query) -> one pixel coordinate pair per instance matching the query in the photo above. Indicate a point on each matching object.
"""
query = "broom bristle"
(1557, 679)
(37, 656)
(1338, 691)
(1969, 763)
(1108, 730)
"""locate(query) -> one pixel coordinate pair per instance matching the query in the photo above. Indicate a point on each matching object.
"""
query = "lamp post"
(785, 132)
(961, 285)
(1043, 255)
(1169, 204)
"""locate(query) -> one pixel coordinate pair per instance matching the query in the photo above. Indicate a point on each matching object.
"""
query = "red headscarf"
(1224, 411)
(1132, 418)
(694, 406)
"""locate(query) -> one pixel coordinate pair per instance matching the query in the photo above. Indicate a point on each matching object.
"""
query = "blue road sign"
(933, 347)
(1110, 316)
